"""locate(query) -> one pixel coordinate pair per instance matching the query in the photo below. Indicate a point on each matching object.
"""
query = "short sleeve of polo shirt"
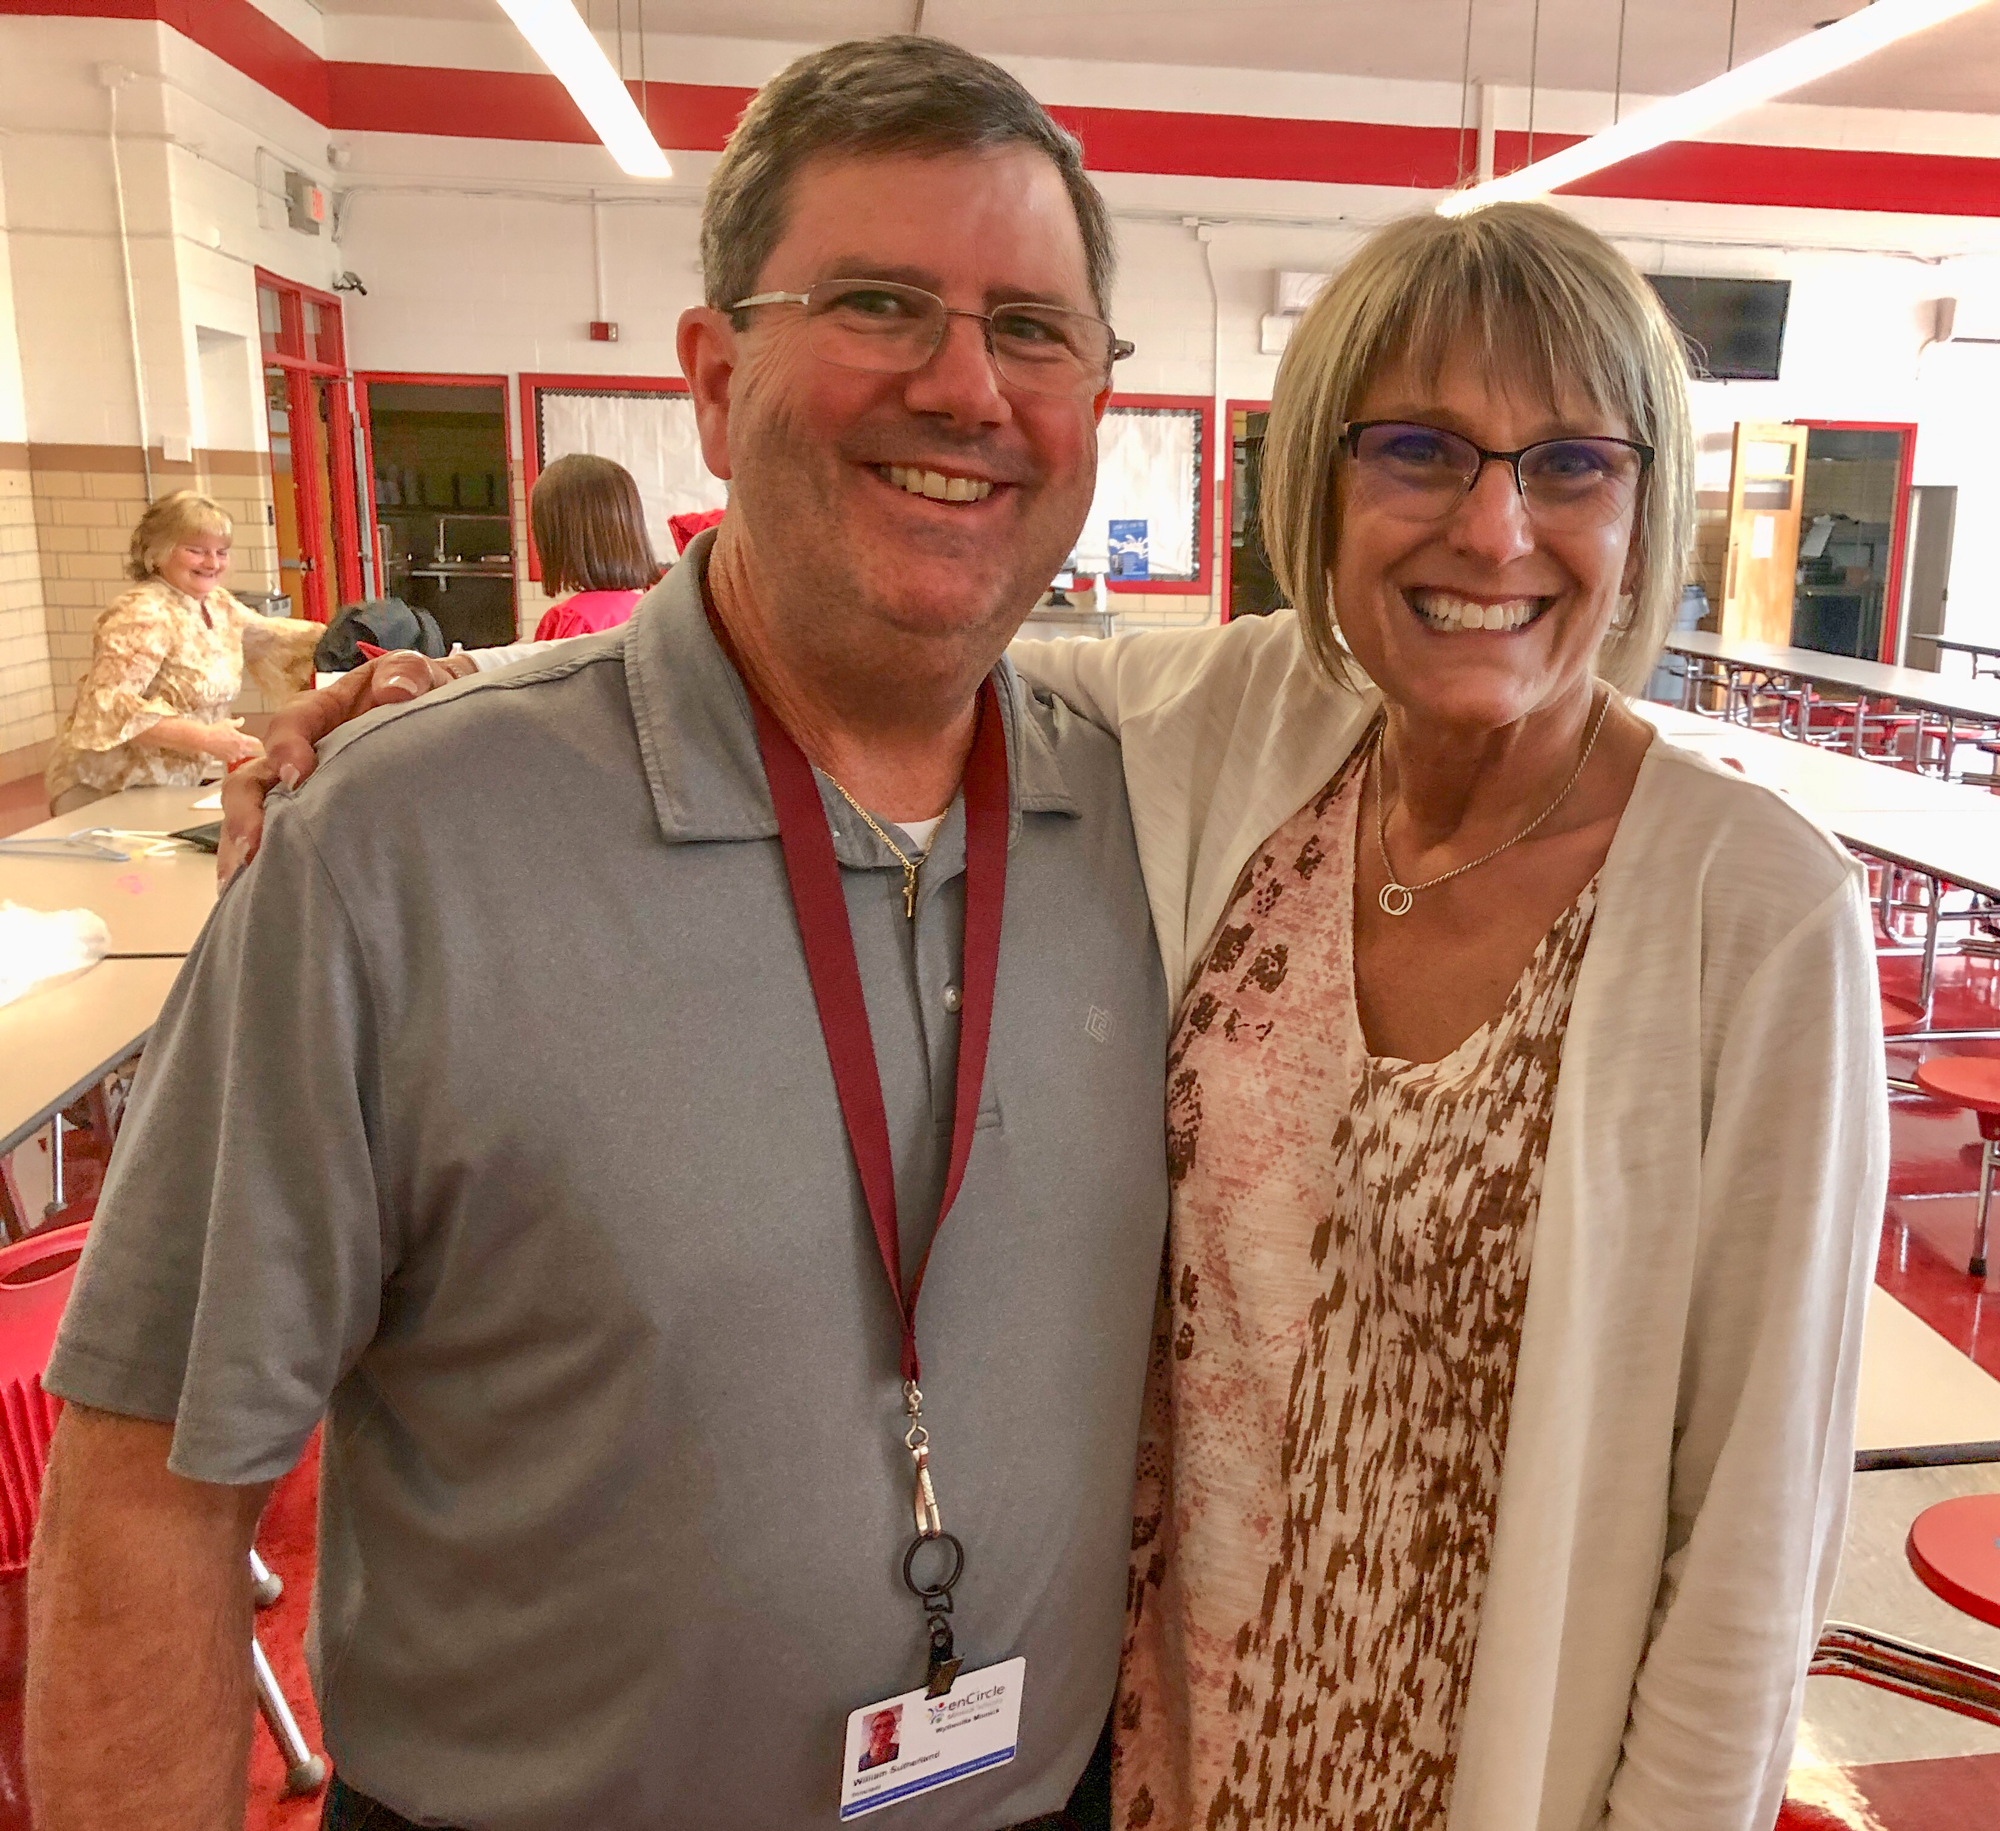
(235, 1268)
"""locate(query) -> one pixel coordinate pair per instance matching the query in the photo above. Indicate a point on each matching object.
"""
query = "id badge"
(909, 1745)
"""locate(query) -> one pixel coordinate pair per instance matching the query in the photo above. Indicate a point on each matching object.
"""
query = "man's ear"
(706, 342)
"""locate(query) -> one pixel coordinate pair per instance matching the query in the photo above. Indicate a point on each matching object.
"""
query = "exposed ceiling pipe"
(114, 77)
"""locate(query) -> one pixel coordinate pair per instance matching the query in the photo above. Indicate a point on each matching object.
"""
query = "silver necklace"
(1395, 898)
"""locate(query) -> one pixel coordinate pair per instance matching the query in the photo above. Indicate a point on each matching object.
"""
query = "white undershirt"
(918, 832)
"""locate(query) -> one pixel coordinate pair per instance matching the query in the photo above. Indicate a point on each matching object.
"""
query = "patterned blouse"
(158, 653)
(1327, 1406)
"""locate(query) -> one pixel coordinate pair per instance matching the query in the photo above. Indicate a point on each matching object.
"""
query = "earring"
(1628, 607)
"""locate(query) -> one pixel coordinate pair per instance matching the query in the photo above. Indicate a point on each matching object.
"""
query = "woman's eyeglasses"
(1422, 473)
(892, 329)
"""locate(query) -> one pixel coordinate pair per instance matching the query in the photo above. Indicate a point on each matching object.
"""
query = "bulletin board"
(1154, 497)
(645, 423)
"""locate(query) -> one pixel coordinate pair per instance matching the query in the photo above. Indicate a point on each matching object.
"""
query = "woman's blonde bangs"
(1550, 306)
(171, 520)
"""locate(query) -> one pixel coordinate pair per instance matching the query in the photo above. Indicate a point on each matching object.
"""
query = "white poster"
(1148, 470)
(652, 435)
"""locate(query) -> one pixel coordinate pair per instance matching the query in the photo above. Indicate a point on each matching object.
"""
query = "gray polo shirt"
(491, 1118)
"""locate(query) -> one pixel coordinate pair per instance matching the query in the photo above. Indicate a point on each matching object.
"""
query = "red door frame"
(532, 386)
(1230, 409)
(1899, 518)
(342, 568)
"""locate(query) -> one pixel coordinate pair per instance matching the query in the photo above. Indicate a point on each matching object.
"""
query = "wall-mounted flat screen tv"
(1737, 327)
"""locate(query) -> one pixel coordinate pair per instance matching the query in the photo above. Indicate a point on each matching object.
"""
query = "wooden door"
(1766, 483)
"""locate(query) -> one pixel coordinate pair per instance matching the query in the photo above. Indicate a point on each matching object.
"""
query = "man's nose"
(1491, 520)
(960, 381)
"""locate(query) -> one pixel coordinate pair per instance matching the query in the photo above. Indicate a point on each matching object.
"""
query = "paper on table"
(209, 801)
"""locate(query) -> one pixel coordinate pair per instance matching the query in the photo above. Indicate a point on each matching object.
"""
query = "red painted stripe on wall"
(1804, 177)
(234, 30)
(694, 117)
(256, 45)
(517, 105)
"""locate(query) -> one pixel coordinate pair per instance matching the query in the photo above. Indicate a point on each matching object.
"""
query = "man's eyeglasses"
(1422, 473)
(891, 329)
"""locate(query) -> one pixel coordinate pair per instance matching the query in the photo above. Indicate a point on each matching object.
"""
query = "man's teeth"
(1443, 611)
(937, 486)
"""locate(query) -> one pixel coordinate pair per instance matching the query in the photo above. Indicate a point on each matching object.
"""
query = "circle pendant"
(1396, 899)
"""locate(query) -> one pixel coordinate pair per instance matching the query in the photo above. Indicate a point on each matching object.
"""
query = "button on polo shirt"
(491, 1117)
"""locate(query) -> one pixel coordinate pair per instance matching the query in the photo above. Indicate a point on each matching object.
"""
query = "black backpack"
(382, 623)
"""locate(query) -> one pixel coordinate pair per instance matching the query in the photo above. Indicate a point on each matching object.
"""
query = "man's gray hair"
(876, 96)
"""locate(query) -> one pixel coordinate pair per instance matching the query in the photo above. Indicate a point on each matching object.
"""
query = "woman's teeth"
(935, 485)
(1443, 611)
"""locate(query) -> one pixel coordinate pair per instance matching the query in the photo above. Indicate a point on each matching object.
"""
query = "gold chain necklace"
(1395, 898)
(903, 858)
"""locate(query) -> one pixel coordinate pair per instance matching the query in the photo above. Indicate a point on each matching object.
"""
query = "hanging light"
(562, 41)
(1803, 60)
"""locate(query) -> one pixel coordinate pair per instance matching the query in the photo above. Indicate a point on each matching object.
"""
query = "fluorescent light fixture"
(562, 41)
(1802, 61)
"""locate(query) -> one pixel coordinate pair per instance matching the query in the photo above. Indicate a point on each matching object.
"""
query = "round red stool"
(1901, 1015)
(1971, 1081)
(1955, 1548)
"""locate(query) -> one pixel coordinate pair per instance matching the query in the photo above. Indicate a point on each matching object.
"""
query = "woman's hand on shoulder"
(288, 753)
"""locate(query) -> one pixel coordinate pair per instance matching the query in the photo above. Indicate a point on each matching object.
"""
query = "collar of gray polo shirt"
(820, 907)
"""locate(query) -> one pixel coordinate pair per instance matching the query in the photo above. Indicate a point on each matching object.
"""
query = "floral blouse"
(158, 653)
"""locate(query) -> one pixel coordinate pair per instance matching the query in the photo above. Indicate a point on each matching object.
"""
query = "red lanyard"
(821, 909)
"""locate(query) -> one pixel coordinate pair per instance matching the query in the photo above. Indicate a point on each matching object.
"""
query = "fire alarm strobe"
(602, 330)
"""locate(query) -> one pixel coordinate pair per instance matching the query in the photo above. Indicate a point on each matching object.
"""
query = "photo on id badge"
(906, 1746)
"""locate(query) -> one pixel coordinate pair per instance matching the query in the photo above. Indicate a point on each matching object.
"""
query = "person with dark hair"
(651, 1034)
(590, 535)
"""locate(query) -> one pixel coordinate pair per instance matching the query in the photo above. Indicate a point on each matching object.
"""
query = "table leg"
(1931, 903)
(55, 1168)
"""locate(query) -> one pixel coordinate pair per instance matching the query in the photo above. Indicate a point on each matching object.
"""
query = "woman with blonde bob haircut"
(167, 661)
(1525, 1109)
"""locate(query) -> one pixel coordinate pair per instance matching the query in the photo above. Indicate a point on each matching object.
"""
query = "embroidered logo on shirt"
(1097, 1026)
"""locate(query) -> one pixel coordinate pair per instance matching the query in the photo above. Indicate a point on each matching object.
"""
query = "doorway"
(316, 497)
(444, 525)
(1853, 523)
(1248, 587)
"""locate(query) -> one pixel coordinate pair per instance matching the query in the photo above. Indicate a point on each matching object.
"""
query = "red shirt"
(585, 614)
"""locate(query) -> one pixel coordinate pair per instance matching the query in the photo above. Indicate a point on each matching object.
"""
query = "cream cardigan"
(1681, 1444)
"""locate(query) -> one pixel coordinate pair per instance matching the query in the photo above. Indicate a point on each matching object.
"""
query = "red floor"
(1962, 1795)
(1934, 1172)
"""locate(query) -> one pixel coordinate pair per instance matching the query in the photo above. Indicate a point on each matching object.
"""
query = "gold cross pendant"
(910, 891)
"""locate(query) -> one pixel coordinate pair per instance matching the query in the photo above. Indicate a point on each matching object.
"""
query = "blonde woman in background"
(1526, 1115)
(167, 661)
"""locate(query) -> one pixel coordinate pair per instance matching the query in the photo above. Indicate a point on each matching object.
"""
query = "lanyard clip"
(923, 1500)
(917, 1440)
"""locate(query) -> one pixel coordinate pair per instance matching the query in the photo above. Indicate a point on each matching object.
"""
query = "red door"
(321, 509)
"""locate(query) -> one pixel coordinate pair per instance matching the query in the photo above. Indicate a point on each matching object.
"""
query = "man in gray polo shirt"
(492, 1114)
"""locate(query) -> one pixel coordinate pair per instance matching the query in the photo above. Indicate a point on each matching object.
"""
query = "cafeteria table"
(1977, 653)
(153, 906)
(1943, 832)
(1974, 702)
(63, 1038)
(60, 1040)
